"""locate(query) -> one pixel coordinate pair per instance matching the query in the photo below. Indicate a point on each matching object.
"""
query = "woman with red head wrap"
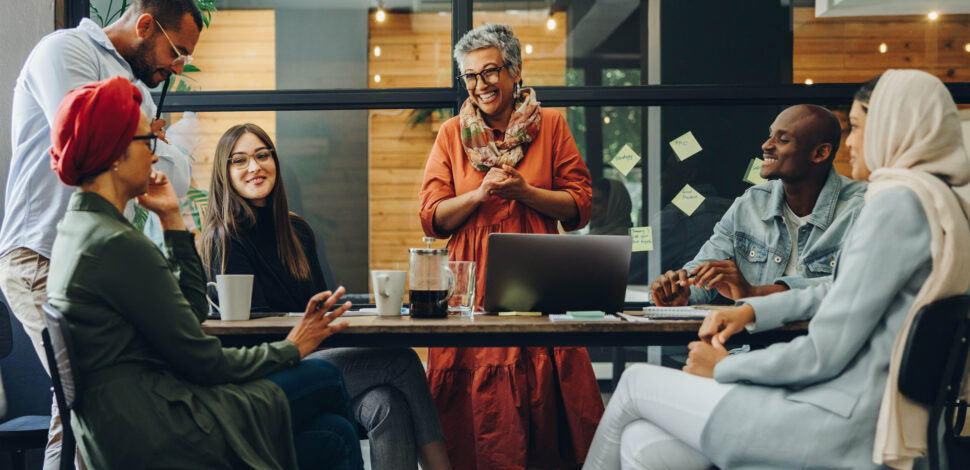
(158, 392)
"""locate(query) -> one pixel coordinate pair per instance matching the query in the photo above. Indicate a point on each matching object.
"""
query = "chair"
(22, 432)
(63, 366)
(931, 372)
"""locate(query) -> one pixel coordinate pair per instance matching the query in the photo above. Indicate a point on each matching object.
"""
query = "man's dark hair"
(168, 13)
(828, 129)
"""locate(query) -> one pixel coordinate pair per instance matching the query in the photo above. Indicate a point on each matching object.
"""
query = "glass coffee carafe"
(431, 282)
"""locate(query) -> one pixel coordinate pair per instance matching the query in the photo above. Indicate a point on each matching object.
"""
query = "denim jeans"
(324, 430)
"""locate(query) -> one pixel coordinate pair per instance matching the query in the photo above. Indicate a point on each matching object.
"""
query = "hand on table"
(671, 289)
(724, 276)
(704, 356)
(719, 325)
(316, 323)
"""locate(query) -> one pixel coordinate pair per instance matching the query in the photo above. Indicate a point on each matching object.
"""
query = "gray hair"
(499, 36)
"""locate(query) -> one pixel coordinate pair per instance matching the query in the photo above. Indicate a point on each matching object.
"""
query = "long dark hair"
(864, 93)
(229, 213)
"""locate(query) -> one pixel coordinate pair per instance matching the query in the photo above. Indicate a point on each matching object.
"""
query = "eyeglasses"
(490, 76)
(241, 160)
(151, 138)
(180, 58)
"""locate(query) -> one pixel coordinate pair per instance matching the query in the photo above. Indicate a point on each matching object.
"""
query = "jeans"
(324, 430)
(654, 421)
(391, 401)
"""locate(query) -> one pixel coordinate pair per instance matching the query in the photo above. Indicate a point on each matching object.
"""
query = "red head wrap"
(93, 127)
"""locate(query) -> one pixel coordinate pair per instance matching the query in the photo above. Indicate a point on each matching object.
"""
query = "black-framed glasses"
(241, 160)
(151, 138)
(490, 75)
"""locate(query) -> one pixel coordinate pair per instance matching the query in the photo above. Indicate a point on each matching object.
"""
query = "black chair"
(931, 372)
(61, 360)
(23, 432)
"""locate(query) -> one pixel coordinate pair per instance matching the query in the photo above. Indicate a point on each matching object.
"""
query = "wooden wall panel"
(416, 52)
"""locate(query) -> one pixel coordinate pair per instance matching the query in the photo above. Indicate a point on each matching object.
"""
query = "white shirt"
(35, 198)
(793, 222)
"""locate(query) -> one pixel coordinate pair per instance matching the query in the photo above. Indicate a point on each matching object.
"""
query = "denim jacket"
(754, 236)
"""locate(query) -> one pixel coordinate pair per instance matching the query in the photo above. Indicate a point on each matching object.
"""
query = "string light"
(809, 81)
(377, 78)
(883, 48)
(381, 15)
(528, 48)
(933, 15)
(377, 51)
(550, 24)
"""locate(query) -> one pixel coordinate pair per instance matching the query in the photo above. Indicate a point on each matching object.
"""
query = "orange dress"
(510, 408)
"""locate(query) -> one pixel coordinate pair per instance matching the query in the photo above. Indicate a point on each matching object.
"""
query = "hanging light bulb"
(933, 15)
(380, 16)
(550, 24)
(528, 48)
(809, 81)
(377, 51)
(883, 48)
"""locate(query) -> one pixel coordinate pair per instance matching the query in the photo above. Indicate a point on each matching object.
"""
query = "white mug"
(235, 295)
(389, 291)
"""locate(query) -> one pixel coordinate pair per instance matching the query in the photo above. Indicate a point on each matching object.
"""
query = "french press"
(432, 283)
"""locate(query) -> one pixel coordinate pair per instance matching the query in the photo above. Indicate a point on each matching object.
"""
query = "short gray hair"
(499, 36)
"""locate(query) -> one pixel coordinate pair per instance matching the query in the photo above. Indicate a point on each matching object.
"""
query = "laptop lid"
(556, 273)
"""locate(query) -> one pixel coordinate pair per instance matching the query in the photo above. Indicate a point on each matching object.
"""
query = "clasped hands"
(718, 326)
(505, 182)
(673, 287)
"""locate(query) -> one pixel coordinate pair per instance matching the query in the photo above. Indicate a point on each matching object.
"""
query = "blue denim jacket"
(753, 234)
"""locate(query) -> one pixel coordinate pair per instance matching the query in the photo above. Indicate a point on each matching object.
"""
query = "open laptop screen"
(556, 273)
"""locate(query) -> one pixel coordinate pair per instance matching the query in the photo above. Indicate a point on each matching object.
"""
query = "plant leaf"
(190, 68)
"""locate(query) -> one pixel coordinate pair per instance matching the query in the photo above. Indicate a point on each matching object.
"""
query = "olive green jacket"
(157, 392)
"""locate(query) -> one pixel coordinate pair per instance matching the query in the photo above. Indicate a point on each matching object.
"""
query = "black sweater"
(254, 251)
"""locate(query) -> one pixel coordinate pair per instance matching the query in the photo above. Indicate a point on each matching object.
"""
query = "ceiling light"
(809, 81)
(377, 78)
(883, 48)
(377, 51)
(380, 16)
(528, 48)
(933, 15)
(606, 120)
(966, 47)
(550, 24)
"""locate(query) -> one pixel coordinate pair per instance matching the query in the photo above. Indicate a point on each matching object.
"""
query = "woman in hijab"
(828, 399)
(157, 391)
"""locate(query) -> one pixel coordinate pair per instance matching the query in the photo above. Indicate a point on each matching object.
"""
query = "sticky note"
(753, 174)
(642, 238)
(688, 200)
(625, 159)
(685, 146)
(586, 313)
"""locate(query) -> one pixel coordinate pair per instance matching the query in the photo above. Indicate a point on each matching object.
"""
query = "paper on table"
(753, 174)
(688, 200)
(520, 314)
(625, 160)
(642, 238)
(637, 293)
(566, 317)
(685, 146)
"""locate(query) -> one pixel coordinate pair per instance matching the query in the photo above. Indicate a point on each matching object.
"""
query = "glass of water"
(462, 302)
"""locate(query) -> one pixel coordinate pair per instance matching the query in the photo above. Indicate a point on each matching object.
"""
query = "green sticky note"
(685, 146)
(642, 238)
(753, 174)
(587, 314)
(625, 160)
(688, 200)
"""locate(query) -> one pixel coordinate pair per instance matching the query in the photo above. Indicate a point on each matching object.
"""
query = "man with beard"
(780, 235)
(151, 41)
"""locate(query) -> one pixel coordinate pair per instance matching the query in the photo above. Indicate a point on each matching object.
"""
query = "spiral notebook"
(674, 313)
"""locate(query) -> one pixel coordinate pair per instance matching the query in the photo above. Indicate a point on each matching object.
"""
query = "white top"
(793, 222)
(35, 198)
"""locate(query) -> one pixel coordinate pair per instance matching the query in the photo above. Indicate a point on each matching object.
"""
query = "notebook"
(674, 313)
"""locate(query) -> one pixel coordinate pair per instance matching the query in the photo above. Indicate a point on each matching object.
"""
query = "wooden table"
(488, 330)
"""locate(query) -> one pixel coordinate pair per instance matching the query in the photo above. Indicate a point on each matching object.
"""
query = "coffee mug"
(235, 294)
(389, 291)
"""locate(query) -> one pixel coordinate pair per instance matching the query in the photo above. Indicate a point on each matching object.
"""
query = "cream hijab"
(913, 140)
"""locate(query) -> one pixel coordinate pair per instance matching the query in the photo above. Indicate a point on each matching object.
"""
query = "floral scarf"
(485, 152)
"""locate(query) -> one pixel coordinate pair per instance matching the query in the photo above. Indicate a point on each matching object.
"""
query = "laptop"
(556, 273)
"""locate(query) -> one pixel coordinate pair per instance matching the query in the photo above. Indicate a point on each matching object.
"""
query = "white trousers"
(654, 421)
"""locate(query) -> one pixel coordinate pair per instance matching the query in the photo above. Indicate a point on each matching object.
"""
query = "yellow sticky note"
(520, 314)
(625, 160)
(688, 200)
(685, 146)
(753, 174)
(642, 238)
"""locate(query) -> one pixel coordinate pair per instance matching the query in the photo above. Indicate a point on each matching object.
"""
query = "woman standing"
(506, 165)
(829, 399)
(249, 229)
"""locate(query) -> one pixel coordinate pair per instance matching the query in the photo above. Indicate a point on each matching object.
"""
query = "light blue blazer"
(813, 402)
